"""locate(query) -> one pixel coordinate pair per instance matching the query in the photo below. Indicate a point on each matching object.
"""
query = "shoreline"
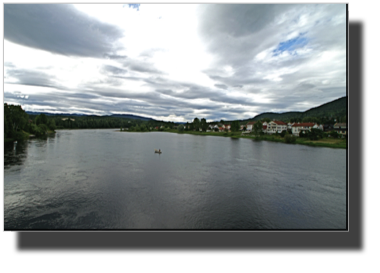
(334, 143)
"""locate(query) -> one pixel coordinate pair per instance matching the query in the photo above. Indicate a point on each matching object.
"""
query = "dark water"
(105, 179)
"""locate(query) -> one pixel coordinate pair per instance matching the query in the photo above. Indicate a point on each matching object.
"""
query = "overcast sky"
(174, 62)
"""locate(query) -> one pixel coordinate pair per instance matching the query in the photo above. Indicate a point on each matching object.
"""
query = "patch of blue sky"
(134, 6)
(291, 45)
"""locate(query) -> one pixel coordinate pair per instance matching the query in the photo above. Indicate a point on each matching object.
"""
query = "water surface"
(106, 179)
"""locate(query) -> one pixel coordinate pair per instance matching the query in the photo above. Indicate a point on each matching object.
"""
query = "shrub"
(290, 139)
(43, 127)
(283, 133)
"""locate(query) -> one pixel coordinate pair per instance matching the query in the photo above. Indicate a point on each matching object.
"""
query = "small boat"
(157, 151)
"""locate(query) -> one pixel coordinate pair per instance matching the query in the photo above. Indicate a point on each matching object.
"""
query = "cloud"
(59, 28)
(141, 66)
(221, 86)
(114, 70)
(236, 61)
(29, 77)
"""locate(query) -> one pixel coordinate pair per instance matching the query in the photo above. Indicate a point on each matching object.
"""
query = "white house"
(341, 128)
(250, 125)
(276, 126)
(297, 128)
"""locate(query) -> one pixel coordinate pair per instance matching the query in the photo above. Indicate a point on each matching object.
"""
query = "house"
(265, 127)
(276, 126)
(290, 125)
(221, 129)
(250, 125)
(341, 128)
(297, 128)
(328, 127)
(227, 127)
(242, 127)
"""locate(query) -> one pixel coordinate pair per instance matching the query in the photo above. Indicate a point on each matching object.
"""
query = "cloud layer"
(174, 62)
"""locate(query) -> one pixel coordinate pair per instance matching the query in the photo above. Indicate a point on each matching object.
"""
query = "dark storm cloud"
(59, 28)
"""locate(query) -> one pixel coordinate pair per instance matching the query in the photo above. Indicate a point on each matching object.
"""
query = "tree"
(284, 133)
(235, 126)
(315, 134)
(290, 139)
(334, 134)
(51, 124)
(196, 124)
(257, 128)
(43, 119)
(180, 128)
(15, 119)
(203, 125)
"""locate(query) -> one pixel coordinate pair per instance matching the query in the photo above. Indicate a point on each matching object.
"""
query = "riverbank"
(325, 142)
(25, 135)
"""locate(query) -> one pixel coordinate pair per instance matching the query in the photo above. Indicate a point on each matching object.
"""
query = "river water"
(107, 179)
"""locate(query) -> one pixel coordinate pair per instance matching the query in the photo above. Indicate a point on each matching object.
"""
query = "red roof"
(251, 123)
(304, 124)
(279, 122)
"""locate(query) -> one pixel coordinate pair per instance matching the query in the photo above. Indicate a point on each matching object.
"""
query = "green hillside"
(326, 113)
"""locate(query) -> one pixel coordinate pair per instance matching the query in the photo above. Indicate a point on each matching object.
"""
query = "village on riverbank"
(306, 133)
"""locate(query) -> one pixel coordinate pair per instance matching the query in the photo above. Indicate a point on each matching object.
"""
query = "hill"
(334, 109)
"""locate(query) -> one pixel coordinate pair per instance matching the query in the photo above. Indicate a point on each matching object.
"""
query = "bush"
(180, 128)
(283, 133)
(43, 127)
(334, 134)
(290, 139)
(37, 130)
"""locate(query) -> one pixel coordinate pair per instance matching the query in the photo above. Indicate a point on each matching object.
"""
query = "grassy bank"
(325, 142)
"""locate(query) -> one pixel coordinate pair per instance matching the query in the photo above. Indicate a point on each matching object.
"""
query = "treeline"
(103, 122)
(19, 125)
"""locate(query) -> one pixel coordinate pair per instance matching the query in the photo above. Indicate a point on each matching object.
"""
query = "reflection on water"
(105, 179)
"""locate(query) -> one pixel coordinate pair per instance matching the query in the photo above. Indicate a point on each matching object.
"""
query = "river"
(110, 180)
